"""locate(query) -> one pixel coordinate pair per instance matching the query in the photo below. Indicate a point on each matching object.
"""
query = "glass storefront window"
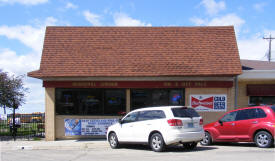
(114, 101)
(176, 97)
(261, 100)
(156, 97)
(160, 97)
(90, 101)
(140, 98)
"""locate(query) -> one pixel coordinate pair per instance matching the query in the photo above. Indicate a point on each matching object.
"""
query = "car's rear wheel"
(263, 139)
(190, 146)
(113, 141)
(207, 139)
(157, 143)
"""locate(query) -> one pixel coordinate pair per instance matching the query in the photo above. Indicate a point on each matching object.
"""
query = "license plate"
(190, 125)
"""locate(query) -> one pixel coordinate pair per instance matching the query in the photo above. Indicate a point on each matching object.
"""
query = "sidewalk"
(60, 144)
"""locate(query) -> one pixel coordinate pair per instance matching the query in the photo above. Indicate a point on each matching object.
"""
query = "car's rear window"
(273, 108)
(185, 112)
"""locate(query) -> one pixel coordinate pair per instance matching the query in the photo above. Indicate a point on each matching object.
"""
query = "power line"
(269, 50)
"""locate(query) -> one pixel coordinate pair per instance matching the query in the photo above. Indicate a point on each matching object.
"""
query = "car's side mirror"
(220, 121)
(120, 121)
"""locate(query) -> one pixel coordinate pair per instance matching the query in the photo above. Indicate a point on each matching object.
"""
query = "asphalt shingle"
(139, 51)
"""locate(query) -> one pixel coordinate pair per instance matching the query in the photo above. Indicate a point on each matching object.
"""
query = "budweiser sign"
(208, 102)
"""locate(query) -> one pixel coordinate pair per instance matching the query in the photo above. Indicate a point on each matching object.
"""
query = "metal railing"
(26, 127)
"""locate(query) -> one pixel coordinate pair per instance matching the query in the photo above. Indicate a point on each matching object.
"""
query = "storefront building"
(256, 83)
(93, 75)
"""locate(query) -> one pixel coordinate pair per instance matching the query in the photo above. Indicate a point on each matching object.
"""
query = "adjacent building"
(93, 75)
(256, 83)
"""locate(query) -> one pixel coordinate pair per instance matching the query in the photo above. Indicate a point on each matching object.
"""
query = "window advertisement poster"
(87, 126)
(209, 103)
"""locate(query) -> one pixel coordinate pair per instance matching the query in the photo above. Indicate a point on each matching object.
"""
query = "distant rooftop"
(257, 65)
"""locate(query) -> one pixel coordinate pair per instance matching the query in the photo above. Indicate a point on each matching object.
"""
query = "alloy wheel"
(262, 139)
(113, 141)
(156, 142)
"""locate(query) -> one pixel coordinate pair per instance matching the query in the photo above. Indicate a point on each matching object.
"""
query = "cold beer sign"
(211, 103)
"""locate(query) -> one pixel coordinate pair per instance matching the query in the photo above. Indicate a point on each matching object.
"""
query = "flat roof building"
(256, 83)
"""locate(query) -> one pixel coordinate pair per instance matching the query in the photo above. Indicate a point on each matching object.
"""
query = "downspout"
(236, 93)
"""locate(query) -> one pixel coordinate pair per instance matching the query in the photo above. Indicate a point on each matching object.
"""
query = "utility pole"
(269, 50)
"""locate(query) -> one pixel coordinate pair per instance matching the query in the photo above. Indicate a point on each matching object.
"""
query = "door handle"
(233, 124)
(254, 122)
(148, 124)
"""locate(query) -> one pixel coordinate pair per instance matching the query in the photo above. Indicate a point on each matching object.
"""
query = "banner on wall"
(87, 126)
(211, 103)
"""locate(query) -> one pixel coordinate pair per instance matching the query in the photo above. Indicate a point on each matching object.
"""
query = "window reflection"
(90, 101)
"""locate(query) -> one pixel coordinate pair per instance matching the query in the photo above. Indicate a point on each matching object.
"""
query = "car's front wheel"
(263, 139)
(157, 143)
(113, 141)
(190, 146)
(207, 139)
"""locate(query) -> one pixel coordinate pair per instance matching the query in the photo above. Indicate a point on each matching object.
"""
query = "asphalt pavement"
(99, 150)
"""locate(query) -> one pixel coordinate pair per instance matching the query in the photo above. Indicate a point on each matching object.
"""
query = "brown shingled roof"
(258, 64)
(139, 51)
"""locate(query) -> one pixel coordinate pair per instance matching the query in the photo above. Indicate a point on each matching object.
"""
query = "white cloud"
(94, 19)
(229, 19)
(35, 98)
(198, 21)
(28, 35)
(259, 6)
(212, 7)
(70, 5)
(21, 63)
(24, 2)
(122, 19)
(226, 20)
(256, 47)
(16, 64)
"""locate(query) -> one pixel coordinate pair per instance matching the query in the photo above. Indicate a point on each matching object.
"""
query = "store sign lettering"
(208, 102)
(185, 84)
(137, 84)
(94, 84)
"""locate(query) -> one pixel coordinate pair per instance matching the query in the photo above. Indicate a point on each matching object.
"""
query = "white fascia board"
(257, 75)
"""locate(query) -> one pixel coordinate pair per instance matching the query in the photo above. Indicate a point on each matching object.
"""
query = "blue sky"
(23, 22)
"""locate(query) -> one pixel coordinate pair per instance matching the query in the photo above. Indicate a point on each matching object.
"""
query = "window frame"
(252, 115)
(136, 119)
(236, 112)
(140, 113)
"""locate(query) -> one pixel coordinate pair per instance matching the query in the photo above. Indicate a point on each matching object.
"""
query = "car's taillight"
(201, 121)
(174, 122)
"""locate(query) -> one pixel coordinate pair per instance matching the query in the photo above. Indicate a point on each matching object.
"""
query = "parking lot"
(101, 151)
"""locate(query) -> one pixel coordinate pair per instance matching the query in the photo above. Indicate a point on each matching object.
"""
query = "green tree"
(12, 90)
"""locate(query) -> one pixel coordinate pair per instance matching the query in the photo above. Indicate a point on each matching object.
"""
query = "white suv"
(158, 127)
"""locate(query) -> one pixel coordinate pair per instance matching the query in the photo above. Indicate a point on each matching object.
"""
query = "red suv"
(251, 124)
